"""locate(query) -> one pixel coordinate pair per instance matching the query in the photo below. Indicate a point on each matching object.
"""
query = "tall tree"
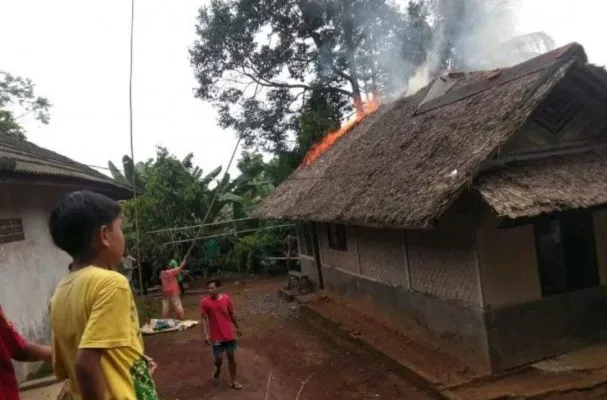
(18, 100)
(259, 61)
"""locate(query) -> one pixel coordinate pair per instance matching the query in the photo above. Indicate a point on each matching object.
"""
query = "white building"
(32, 180)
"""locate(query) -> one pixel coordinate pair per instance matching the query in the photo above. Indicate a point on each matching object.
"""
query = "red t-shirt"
(218, 313)
(10, 343)
(170, 285)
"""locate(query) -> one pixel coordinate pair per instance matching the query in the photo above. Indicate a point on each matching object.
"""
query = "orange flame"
(363, 110)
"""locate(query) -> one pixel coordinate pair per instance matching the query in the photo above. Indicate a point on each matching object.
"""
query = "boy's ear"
(104, 237)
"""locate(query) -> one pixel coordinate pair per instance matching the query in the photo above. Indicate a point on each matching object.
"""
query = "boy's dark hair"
(217, 282)
(74, 220)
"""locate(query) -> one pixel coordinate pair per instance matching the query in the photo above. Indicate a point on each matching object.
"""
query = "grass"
(147, 308)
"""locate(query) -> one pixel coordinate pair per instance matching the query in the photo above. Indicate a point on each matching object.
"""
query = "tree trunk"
(350, 47)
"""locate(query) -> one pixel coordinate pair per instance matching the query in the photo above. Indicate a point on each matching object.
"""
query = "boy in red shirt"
(218, 317)
(14, 347)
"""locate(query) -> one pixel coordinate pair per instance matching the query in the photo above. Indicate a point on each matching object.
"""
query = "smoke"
(473, 35)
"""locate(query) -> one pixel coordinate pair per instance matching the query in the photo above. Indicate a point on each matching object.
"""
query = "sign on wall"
(11, 230)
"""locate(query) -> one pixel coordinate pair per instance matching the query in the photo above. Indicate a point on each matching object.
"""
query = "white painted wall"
(30, 269)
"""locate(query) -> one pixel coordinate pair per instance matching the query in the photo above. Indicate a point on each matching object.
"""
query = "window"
(566, 252)
(11, 230)
(337, 237)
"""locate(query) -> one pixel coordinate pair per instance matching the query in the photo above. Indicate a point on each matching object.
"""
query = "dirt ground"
(276, 342)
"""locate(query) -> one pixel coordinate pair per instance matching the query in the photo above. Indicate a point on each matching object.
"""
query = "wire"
(214, 196)
(135, 199)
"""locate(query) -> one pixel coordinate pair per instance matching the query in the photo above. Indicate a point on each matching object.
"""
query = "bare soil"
(276, 342)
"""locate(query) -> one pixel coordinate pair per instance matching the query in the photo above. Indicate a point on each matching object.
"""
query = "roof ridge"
(550, 61)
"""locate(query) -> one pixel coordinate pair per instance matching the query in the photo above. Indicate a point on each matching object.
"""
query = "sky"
(77, 53)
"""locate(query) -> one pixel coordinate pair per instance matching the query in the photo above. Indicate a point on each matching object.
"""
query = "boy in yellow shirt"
(97, 344)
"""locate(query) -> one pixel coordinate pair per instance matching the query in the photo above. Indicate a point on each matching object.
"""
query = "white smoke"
(476, 35)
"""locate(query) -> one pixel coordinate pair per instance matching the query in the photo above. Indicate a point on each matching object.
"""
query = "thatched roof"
(403, 166)
(23, 161)
(527, 189)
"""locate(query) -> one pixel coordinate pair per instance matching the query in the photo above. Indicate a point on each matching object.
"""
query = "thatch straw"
(403, 166)
(558, 183)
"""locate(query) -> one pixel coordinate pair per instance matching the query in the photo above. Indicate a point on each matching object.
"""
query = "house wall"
(523, 327)
(29, 269)
(376, 269)
(443, 260)
(344, 260)
(306, 257)
(382, 256)
(508, 265)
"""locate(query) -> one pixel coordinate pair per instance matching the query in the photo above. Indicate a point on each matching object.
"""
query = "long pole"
(219, 187)
(135, 200)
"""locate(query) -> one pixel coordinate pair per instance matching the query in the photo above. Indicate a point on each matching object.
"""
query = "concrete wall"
(529, 332)
(30, 269)
(508, 265)
(443, 260)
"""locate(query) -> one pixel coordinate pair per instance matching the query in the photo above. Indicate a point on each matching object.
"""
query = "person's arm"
(205, 323)
(89, 374)
(21, 349)
(205, 329)
(34, 352)
(109, 327)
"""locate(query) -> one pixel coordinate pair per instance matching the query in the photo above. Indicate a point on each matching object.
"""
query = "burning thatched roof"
(404, 165)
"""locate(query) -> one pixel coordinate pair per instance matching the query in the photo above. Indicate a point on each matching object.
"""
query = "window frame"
(573, 276)
(11, 230)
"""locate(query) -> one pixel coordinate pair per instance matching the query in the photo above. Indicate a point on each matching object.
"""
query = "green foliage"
(250, 252)
(132, 175)
(279, 70)
(175, 193)
(256, 60)
(17, 96)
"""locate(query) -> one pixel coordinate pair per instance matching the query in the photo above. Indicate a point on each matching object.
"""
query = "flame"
(363, 110)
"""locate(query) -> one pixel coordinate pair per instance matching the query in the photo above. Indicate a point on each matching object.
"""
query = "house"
(475, 208)
(32, 181)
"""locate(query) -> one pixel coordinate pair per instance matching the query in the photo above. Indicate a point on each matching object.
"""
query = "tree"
(132, 175)
(17, 96)
(260, 61)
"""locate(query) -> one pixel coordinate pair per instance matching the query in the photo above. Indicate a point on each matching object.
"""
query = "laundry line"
(235, 233)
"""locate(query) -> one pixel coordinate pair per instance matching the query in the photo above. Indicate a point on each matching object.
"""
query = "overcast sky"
(77, 52)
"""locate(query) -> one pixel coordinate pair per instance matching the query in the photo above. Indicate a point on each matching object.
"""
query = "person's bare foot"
(236, 386)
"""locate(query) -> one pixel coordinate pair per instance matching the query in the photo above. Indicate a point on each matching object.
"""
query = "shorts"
(174, 303)
(220, 347)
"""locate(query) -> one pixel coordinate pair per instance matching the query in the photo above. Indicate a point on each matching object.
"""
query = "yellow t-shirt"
(94, 308)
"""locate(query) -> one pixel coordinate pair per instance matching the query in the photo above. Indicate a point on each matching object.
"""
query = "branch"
(267, 83)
